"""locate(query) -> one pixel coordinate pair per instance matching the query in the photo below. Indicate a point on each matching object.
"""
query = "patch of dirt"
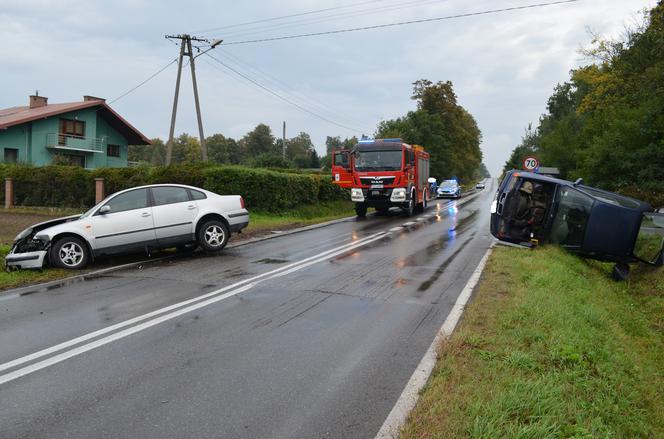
(11, 223)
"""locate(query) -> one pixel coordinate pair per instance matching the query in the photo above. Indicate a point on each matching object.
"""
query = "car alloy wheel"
(70, 253)
(213, 235)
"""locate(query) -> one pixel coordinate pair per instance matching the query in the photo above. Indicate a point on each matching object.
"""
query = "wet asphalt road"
(316, 334)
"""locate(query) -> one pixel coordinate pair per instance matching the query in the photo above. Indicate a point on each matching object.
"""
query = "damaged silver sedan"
(135, 220)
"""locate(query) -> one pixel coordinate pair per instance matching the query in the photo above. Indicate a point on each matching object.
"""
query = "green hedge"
(262, 189)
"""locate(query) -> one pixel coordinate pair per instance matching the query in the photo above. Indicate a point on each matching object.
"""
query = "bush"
(69, 186)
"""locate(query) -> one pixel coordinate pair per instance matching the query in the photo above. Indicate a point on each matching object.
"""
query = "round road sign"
(530, 163)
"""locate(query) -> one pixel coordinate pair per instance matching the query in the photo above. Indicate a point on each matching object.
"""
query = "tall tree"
(259, 141)
(443, 127)
(606, 124)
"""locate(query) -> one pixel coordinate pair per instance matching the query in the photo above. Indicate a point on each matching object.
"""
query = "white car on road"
(139, 219)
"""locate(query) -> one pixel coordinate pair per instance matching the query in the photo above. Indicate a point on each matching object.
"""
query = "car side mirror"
(104, 210)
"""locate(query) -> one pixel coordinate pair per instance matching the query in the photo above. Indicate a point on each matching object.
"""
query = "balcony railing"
(75, 143)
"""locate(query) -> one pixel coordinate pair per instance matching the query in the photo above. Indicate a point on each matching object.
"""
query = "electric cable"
(285, 88)
(143, 82)
(317, 11)
(289, 101)
(401, 23)
(328, 18)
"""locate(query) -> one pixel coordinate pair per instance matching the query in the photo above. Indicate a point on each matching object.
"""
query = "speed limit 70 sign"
(530, 163)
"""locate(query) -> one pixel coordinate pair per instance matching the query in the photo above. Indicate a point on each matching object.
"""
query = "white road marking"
(408, 398)
(221, 294)
(157, 312)
(234, 290)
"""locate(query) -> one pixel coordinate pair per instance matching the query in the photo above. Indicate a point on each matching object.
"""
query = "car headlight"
(494, 205)
(23, 234)
(398, 194)
(356, 195)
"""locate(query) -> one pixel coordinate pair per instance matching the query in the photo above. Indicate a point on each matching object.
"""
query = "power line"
(144, 82)
(286, 88)
(289, 101)
(332, 17)
(402, 23)
(283, 17)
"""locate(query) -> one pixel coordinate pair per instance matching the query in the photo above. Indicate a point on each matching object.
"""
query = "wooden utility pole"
(169, 145)
(283, 142)
(186, 49)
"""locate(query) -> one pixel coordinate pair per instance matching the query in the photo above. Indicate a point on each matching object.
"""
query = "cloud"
(504, 66)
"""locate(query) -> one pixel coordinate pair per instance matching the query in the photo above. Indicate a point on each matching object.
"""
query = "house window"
(70, 128)
(11, 155)
(113, 150)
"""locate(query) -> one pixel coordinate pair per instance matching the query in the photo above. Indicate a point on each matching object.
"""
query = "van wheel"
(361, 209)
(620, 272)
(213, 236)
(70, 253)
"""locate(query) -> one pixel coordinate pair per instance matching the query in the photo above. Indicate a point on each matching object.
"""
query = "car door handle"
(191, 207)
(145, 214)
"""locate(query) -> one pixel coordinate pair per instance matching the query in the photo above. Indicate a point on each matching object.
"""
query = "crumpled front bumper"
(33, 259)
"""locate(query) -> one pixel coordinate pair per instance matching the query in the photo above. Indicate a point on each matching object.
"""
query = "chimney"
(87, 98)
(37, 101)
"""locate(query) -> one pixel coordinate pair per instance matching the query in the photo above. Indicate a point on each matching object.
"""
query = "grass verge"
(19, 278)
(264, 222)
(549, 348)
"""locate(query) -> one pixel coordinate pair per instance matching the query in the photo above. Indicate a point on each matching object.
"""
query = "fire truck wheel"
(361, 209)
(425, 202)
(410, 209)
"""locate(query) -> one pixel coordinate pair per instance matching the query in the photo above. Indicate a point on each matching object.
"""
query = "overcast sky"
(503, 66)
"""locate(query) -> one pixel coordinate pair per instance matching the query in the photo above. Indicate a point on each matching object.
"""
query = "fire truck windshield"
(378, 160)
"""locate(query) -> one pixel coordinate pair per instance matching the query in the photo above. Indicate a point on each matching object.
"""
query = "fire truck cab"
(389, 173)
(342, 165)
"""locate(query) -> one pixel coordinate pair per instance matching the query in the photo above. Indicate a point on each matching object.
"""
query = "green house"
(87, 134)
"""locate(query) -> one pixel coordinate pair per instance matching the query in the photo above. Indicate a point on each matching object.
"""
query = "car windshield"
(378, 160)
(92, 209)
(449, 185)
(569, 223)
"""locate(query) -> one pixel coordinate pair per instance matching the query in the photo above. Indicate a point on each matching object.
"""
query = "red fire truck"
(388, 173)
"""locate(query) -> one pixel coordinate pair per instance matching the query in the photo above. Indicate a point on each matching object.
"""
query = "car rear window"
(169, 195)
(197, 195)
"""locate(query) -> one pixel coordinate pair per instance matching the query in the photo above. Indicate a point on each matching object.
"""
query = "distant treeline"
(257, 149)
(441, 125)
(606, 124)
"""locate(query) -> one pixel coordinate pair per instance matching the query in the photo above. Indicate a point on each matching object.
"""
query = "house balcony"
(74, 143)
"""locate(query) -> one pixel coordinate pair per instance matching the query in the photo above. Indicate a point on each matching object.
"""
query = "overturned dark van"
(530, 209)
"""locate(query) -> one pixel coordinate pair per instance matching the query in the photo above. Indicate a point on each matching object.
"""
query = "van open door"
(649, 244)
(342, 162)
